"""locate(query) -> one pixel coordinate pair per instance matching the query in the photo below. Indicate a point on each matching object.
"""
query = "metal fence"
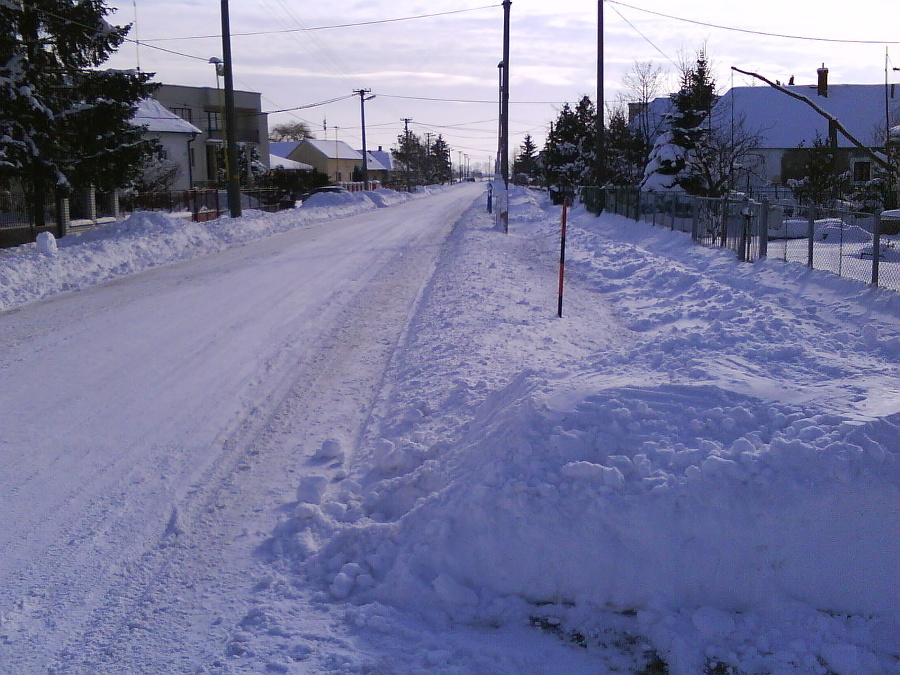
(851, 244)
(201, 205)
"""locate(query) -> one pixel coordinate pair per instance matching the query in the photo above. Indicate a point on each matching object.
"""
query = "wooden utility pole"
(504, 121)
(234, 184)
(601, 123)
(406, 121)
(362, 113)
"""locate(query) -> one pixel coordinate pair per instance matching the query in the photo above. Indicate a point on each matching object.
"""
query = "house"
(204, 107)
(174, 134)
(335, 159)
(784, 123)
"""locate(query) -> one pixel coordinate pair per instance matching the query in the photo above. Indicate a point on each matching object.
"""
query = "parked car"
(890, 221)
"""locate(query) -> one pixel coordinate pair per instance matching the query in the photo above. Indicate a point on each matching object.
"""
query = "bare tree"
(645, 82)
(295, 131)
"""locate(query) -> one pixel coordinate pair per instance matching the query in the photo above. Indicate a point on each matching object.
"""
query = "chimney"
(822, 88)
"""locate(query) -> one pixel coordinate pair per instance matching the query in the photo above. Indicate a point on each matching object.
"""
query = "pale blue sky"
(553, 55)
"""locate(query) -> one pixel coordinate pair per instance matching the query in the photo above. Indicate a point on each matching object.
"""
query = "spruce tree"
(525, 165)
(63, 122)
(569, 155)
(673, 159)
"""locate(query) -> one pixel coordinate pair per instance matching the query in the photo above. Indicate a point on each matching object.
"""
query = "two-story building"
(204, 107)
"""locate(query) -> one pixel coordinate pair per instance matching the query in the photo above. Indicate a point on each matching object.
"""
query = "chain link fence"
(851, 244)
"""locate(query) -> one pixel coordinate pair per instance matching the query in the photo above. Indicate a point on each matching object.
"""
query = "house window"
(862, 172)
(213, 121)
(184, 113)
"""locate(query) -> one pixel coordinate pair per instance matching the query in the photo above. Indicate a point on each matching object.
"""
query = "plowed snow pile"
(696, 467)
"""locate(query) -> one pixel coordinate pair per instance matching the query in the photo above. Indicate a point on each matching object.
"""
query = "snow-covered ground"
(368, 445)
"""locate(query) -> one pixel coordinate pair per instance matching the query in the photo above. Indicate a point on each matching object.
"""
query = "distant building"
(335, 159)
(204, 108)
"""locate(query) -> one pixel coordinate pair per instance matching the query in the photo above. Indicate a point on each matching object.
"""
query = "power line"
(648, 40)
(752, 32)
(463, 100)
(332, 27)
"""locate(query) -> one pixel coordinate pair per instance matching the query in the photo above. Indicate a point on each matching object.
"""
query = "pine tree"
(439, 161)
(65, 124)
(525, 165)
(569, 156)
(673, 160)
(626, 151)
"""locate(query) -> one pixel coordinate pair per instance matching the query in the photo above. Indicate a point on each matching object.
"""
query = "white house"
(174, 134)
(867, 111)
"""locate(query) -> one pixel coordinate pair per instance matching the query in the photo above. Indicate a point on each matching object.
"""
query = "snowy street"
(355, 438)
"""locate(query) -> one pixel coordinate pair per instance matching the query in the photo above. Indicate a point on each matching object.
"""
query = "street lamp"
(220, 71)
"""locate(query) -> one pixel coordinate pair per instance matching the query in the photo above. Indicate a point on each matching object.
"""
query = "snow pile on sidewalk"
(706, 478)
(150, 238)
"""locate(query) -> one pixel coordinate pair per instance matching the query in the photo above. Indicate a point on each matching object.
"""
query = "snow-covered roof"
(333, 149)
(283, 163)
(784, 122)
(159, 119)
(372, 162)
(282, 148)
(384, 158)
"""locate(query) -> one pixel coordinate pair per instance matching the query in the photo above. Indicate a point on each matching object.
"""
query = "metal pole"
(234, 185)
(810, 234)
(504, 117)
(876, 247)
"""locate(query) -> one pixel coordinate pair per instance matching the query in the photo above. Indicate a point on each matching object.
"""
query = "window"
(862, 172)
(184, 113)
(213, 121)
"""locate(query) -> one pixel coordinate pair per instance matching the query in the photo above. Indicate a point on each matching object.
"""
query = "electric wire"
(331, 27)
(752, 32)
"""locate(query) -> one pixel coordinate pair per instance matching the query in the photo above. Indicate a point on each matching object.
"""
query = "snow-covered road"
(368, 446)
(138, 408)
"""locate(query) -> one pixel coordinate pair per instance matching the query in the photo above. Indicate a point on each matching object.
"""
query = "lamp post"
(220, 69)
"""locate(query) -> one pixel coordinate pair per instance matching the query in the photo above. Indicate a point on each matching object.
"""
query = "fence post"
(764, 228)
(810, 233)
(674, 206)
(876, 247)
(695, 219)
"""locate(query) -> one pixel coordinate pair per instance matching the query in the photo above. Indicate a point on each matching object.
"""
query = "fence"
(851, 244)
(88, 208)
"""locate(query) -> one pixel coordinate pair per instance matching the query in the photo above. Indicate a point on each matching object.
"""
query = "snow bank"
(148, 239)
(710, 487)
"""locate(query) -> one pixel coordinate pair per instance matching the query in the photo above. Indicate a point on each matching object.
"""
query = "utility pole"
(504, 121)
(362, 113)
(406, 121)
(601, 130)
(234, 185)
(429, 168)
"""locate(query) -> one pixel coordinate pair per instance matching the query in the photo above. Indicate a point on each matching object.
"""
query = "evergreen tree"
(626, 151)
(64, 123)
(673, 159)
(569, 155)
(439, 161)
(822, 181)
(525, 165)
